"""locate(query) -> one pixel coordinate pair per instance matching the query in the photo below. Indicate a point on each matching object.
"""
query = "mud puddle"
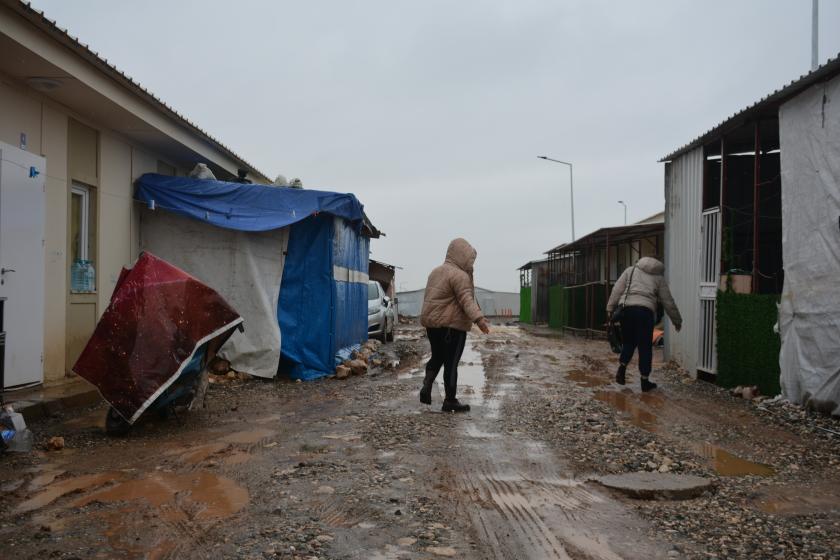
(62, 488)
(633, 407)
(644, 410)
(727, 464)
(200, 496)
(587, 379)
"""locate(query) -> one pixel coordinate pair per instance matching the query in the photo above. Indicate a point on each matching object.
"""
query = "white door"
(22, 263)
(710, 276)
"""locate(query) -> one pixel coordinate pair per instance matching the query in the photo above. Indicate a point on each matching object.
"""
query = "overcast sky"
(433, 113)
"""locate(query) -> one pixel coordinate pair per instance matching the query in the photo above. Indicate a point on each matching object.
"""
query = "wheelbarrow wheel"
(116, 425)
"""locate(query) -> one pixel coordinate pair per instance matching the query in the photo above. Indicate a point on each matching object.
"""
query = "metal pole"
(756, 183)
(572, 191)
(625, 210)
(815, 33)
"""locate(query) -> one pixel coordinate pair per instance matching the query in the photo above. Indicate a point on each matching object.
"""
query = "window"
(82, 270)
(373, 292)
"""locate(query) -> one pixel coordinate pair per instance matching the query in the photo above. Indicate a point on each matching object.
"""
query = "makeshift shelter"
(583, 273)
(293, 262)
(752, 220)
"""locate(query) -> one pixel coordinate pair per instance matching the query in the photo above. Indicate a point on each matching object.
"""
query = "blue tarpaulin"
(322, 303)
(244, 207)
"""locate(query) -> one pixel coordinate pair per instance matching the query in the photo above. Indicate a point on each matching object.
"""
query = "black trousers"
(447, 347)
(637, 332)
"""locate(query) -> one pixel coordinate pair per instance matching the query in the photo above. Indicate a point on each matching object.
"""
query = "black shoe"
(647, 385)
(454, 406)
(426, 391)
(620, 374)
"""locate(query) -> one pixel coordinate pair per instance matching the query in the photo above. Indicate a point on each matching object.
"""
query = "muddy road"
(358, 469)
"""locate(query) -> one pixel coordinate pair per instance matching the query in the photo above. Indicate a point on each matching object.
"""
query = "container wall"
(683, 209)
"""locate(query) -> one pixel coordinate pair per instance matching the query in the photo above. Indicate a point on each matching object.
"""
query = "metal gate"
(709, 278)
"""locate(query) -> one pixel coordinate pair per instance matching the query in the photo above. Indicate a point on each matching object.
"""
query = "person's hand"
(484, 325)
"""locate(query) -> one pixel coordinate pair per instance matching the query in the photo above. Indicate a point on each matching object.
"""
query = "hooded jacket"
(449, 300)
(647, 288)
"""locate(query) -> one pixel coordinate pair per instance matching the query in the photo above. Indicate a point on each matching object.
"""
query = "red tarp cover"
(158, 317)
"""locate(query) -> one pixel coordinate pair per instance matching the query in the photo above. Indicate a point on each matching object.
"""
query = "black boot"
(647, 385)
(621, 374)
(426, 391)
(453, 405)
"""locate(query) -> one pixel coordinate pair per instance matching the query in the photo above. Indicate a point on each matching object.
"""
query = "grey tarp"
(244, 267)
(809, 312)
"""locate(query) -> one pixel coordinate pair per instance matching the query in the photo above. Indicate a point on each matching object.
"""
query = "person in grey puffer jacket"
(640, 288)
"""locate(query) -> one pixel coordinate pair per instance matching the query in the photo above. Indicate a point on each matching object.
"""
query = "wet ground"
(359, 469)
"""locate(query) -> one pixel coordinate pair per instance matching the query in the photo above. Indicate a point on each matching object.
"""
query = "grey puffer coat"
(449, 300)
(646, 290)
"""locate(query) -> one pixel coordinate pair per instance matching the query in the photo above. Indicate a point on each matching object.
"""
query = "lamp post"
(625, 210)
(571, 188)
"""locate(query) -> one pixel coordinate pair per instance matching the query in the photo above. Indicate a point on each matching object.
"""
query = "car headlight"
(373, 311)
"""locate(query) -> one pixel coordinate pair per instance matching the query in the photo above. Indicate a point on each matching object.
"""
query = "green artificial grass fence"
(747, 347)
(525, 304)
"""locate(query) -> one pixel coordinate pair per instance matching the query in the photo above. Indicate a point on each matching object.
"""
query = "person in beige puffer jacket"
(449, 312)
(640, 289)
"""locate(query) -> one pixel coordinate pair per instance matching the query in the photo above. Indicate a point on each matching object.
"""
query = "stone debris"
(342, 372)
(358, 367)
(56, 443)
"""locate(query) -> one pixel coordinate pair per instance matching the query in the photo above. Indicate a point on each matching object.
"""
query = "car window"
(373, 293)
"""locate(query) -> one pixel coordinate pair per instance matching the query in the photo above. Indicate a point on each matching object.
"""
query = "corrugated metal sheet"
(683, 210)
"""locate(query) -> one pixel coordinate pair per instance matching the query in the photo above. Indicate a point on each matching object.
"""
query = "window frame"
(79, 189)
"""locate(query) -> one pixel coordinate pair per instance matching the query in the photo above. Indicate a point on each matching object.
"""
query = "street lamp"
(571, 188)
(625, 210)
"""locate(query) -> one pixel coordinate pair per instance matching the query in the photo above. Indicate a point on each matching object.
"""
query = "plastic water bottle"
(90, 277)
(77, 276)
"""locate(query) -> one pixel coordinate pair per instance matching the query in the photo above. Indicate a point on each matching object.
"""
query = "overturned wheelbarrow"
(150, 350)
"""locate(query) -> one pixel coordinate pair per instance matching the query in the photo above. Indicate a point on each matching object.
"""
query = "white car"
(381, 315)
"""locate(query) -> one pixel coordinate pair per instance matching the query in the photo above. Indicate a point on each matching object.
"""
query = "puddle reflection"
(727, 464)
(631, 404)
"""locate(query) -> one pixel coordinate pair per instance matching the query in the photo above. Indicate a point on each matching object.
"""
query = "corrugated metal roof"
(827, 71)
(40, 20)
(617, 233)
(528, 265)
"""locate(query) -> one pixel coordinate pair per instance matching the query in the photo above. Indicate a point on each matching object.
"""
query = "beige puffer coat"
(449, 300)
(647, 288)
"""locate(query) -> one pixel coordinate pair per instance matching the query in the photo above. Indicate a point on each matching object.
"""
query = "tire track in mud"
(520, 499)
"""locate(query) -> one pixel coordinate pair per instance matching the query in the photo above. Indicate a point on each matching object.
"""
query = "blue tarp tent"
(293, 262)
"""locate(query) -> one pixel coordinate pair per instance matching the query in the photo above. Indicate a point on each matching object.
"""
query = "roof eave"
(826, 71)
